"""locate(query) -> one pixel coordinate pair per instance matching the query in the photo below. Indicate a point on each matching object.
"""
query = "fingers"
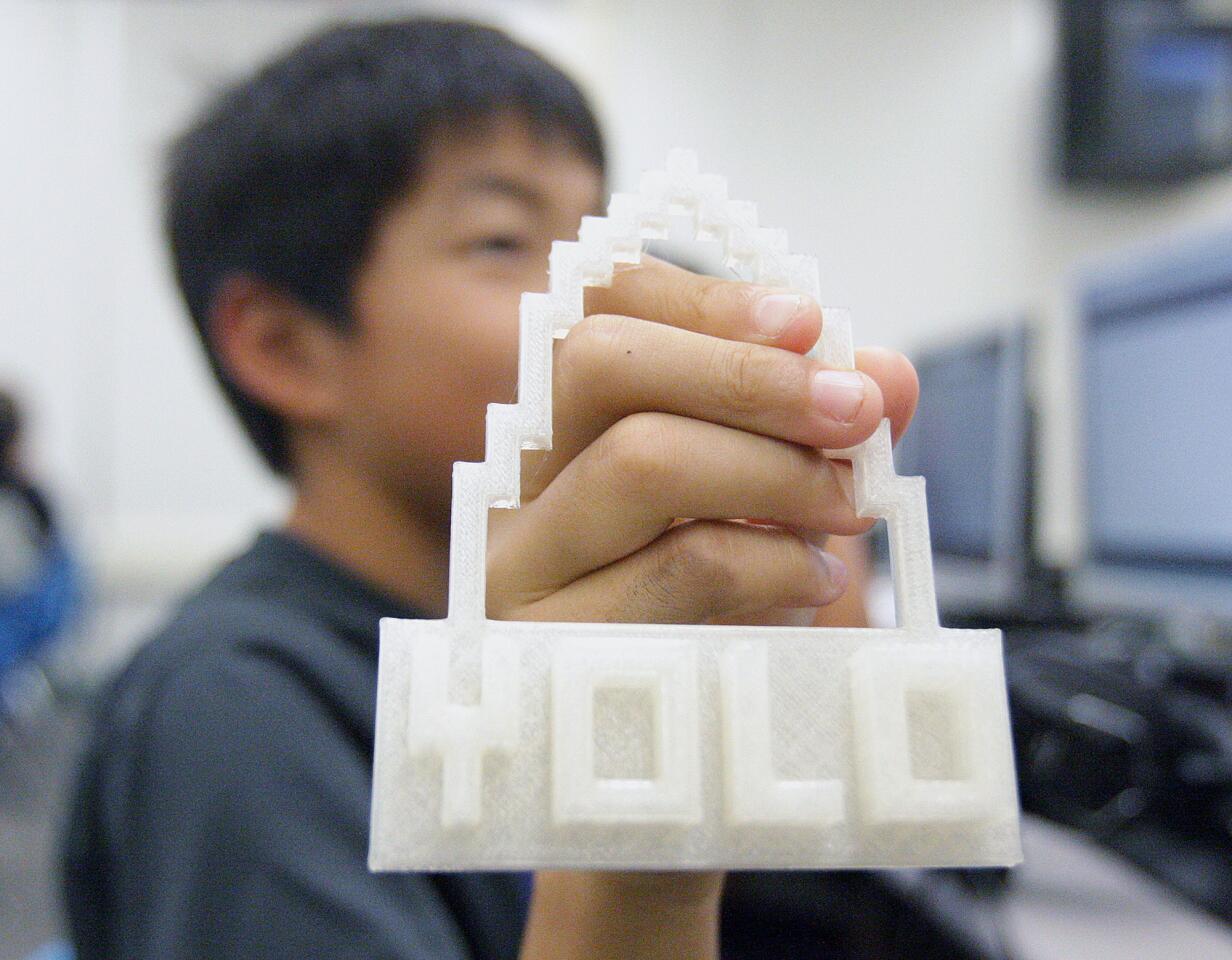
(731, 310)
(628, 487)
(663, 293)
(900, 387)
(698, 571)
(681, 396)
(611, 367)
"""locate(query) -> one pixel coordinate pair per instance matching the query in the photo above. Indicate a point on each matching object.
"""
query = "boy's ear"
(276, 350)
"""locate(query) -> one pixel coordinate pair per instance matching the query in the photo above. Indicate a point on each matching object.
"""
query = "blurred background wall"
(906, 145)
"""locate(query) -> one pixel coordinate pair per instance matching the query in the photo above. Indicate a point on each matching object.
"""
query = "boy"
(352, 229)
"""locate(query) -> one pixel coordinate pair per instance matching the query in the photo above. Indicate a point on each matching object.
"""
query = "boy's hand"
(681, 396)
(682, 405)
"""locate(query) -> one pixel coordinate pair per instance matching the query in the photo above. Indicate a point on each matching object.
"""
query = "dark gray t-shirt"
(222, 808)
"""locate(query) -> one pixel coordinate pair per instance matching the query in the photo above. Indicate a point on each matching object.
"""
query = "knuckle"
(636, 452)
(700, 296)
(713, 297)
(742, 375)
(602, 329)
(702, 561)
(588, 347)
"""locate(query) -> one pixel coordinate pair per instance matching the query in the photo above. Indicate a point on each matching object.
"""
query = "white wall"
(903, 143)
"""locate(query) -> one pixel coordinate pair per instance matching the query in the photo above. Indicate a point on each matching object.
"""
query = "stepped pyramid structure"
(521, 745)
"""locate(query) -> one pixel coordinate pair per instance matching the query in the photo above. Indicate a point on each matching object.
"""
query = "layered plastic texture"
(505, 745)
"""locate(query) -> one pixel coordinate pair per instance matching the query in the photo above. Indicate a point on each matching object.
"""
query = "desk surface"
(1071, 900)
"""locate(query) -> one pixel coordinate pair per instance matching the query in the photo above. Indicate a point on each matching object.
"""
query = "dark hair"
(284, 175)
(10, 424)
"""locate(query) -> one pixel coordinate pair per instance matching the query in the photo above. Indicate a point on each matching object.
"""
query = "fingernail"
(831, 575)
(773, 312)
(839, 394)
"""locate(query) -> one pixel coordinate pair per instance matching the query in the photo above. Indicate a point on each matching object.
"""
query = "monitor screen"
(956, 440)
(1157, 364)
(1145, 91)
(968, 441)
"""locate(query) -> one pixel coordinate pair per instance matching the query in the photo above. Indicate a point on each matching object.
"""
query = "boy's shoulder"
(278, 631)
(252, 611)
(228, 776)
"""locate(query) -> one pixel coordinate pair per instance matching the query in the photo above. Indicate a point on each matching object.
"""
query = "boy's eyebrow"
(504, 186)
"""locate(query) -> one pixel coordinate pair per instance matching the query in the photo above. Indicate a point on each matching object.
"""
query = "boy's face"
(436, 302)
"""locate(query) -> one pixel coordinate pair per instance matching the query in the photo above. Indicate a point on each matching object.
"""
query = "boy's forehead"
(510, 185)
(505, 158)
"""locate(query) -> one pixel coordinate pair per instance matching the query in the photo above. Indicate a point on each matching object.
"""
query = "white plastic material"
(518, 745)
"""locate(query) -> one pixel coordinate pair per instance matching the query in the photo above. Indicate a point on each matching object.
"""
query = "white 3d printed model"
(518, 745)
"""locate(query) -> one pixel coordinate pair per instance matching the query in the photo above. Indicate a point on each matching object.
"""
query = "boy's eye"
(500, 244)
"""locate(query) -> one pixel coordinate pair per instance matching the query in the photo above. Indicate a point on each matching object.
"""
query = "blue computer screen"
(954, 444)
(1158, 428)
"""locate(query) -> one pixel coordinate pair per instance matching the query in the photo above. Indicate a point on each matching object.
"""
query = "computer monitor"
(970, 440)
(1156, 368)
